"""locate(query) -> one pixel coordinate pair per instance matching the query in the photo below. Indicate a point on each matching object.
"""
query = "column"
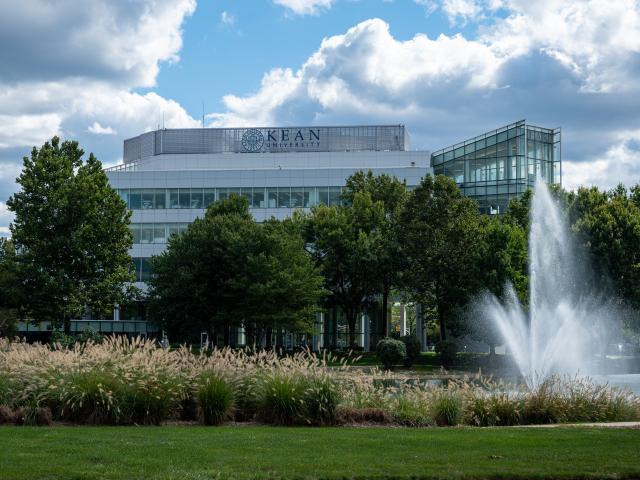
(366, 344)
(403, 319)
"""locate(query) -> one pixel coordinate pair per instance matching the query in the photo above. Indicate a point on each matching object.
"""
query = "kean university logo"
(252, 140)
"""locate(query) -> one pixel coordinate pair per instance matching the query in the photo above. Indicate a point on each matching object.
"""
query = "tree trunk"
(385, 311)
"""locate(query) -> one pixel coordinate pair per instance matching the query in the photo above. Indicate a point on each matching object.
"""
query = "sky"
(100, 71)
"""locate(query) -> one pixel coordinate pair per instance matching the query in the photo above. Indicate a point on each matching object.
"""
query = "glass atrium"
(501, 164)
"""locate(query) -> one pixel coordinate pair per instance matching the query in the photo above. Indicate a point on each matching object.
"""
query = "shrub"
(413, 347)
(150, 399)
(282, 399)
(61, 339)
(89, 335)
(411, 411)
(390, 351)
(215, 397)
(247, 398)
(447, 351)
(544, 405)
(87, 396)
(446, 408)
(321, 399)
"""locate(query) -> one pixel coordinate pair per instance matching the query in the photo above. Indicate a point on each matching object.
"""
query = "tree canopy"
(439, 232)
(71, 234)
(227, 270)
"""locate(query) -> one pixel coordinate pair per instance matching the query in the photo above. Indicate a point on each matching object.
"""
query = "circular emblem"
(252, 140)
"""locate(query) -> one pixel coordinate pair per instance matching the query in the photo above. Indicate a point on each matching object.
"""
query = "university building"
(170, 176)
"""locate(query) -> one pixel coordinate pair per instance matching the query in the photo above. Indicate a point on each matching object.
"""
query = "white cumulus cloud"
(305, 7)
(100, 130)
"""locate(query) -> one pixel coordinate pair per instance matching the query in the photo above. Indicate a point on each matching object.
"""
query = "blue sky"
(100, 71)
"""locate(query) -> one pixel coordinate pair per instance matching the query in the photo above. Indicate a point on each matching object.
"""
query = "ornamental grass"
(122, 381)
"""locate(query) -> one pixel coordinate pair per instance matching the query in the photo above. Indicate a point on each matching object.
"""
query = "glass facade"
(500, 165)
(270, 197)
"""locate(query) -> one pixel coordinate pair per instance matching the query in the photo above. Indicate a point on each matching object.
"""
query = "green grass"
(248, 452)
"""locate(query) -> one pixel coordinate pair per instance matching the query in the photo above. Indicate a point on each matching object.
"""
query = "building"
(501, 164)
(169, 177)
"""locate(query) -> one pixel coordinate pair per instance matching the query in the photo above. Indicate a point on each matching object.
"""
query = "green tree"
(609, 228)
(71, 234)
(227, 270)
(439, 232)
(501, 261)
(10, 291)
(392, 194)
(344, 242)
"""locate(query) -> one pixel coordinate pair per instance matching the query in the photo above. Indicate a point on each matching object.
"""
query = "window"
(124, 195)
(323, 195)
(209, 196)
(258, 198)
(502, 168)
(146, 235)
(185, 198)
(284, 197)
(173, 229)
(222, 194)
(159, 233)
(174, 198)
(148, 199)
(135, 200)
(309, 197)
(196, 198)
(246, 193)
(161, 198)
(457, 171)
(135, 230)
(145, 269)
(273, 197)
(297, 197)
(334, 195)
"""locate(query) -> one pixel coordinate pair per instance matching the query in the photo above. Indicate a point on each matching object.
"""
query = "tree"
(10, 291)
(344, 242)
(501, 264)
(438, 232)
(608, 226)
(71, 234)
(226, 270)
(392, 194)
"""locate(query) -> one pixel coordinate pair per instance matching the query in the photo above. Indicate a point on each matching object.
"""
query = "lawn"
(248, 452)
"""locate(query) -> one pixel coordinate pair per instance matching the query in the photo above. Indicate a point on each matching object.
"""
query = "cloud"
(6, 217)
(119, 40)
(557, 63)
(100, 130)
(305, 7)
(367, 71)
(227, 19)
(70, 68)
(464, 10)
(598, 41)
(619, 164)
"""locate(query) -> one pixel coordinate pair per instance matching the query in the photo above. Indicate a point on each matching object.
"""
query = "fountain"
(567, 323)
